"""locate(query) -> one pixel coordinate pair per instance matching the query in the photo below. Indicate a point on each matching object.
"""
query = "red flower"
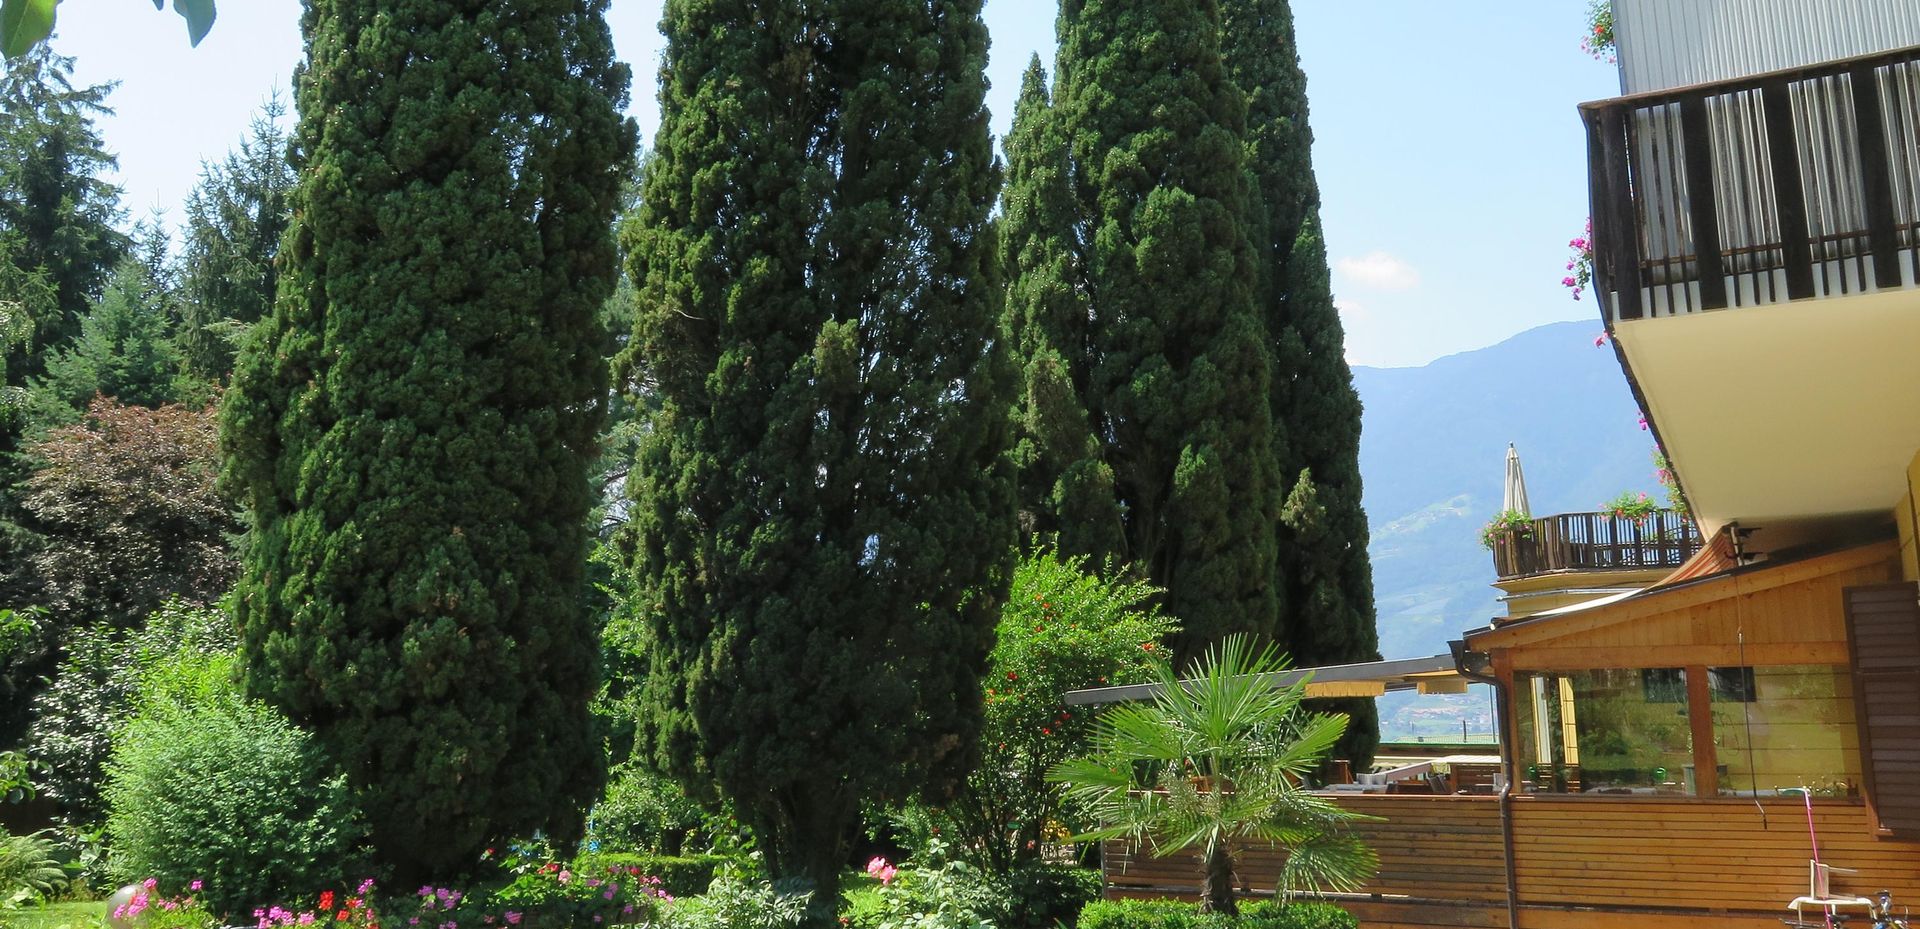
(326, 899)
(1147, 646)
(1012, 676)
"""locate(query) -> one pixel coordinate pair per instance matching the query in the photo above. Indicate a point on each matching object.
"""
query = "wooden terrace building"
(1677, 711)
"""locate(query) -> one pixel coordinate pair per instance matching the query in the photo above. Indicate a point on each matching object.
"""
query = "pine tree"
(54, 198)
(125, 346)
(1329, 608)
(412, 427)
(236, 218)
(822, 528)
(1177, 366)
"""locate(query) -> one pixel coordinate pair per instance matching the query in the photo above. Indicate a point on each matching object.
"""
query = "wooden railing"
(1595, 542)
(1793, 184)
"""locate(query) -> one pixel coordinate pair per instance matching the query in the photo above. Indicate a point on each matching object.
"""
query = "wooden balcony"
(1783, 186)
(1595, 542)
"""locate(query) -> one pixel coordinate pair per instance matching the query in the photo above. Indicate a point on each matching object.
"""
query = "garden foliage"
(1216, 761)
(412, 427)
(96, 691)
(644, 812)
(126, 504)
(822, 524)
(1065, 627)
(1171, 914)
(204, 784)
(29, 869)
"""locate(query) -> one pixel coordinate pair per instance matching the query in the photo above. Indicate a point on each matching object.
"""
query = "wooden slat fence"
(1579, 861)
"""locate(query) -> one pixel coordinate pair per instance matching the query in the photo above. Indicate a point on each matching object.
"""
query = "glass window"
(1605, 731)
(1794, 729)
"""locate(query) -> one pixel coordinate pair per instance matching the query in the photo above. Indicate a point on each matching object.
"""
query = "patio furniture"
(1820, 894)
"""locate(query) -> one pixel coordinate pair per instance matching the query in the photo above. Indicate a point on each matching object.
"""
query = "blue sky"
(1450, 158)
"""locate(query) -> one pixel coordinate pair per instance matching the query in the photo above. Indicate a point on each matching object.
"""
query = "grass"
(84, 914)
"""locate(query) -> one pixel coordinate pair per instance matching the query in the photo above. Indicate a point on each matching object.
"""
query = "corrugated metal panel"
(1672, 43)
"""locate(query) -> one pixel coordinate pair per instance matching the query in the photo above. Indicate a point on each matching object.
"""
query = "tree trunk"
(1216, 889)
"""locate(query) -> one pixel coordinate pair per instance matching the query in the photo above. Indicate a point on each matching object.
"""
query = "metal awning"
(1437, 674)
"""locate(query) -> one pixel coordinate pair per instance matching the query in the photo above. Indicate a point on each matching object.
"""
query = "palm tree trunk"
(1216, 893)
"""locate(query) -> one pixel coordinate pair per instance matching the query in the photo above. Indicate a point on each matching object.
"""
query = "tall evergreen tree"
(55, 201)
(1175, 355)
(1067, 485)
(1328, 603)
(412, 427)
(125, 346)
(236, 218)
(823, 528)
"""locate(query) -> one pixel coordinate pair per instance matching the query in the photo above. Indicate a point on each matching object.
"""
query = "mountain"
(1432, 454)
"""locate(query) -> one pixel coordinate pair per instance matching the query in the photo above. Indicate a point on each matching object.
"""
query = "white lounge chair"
(1820, 893)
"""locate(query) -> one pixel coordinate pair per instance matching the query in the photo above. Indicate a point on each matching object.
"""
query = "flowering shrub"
(1629, 505)
(1508, 522)
(553, 895)
(950, 895)
(1580, 265)
(1598, 40)
(348, 911)
(1663, 472)
(149, 909)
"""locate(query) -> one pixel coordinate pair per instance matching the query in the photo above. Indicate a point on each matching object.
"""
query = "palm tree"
(1217, 762)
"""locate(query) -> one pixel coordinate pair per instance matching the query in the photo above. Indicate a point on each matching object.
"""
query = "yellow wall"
(1904, 515)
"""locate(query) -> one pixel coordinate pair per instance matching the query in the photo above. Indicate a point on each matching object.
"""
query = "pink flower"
(194, 885)
(877, 865)
(149, 883)
(366, 886)
(1643, 423)
(513, 918)
(1569, 282)
(1599, 340)
(887, 874)
(608, 895)
(566, 876)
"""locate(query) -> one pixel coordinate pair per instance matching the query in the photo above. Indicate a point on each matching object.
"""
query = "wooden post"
(1702, 212)
(1706, 764)
(1790, 198)
(1875, 191)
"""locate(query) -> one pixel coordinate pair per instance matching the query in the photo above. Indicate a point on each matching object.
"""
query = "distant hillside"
(1432, 454)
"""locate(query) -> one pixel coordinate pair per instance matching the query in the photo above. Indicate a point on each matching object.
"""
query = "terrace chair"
(1820, 893)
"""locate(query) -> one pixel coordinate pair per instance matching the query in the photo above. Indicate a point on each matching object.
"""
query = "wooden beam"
(1617, 255)
(1875, 191)
(1706, 770)
(1789, 192)
(1701, 208)
(1719, 655)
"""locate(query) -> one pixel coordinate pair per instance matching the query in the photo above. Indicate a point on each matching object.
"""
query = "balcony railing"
(1781, 186)
(1595, 542)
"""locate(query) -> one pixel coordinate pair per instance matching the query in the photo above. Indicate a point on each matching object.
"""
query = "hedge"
(681, 876)
(1173, 914)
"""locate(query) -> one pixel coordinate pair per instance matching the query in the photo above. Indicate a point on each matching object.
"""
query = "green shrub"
(644, 812)
(736, 904)
(952, 895)
(1044, 896)
(1173, 914)
(205, 785)
(681, 876)
(29, 869)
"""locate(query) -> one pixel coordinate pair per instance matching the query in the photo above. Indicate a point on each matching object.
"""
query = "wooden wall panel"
(1580, 862)
(1699, 854)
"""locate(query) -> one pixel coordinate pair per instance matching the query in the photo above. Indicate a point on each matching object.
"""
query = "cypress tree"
(1066, 485)
(412, 427)
(823, 519)
(1329, 608)
(1177, 366)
